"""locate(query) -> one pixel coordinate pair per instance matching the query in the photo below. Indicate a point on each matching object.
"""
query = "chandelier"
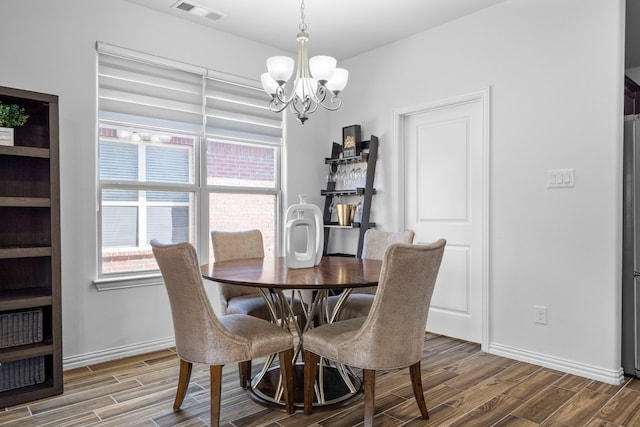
(317, 80)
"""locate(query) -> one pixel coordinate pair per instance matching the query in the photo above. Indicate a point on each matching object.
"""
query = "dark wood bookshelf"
(30, 276)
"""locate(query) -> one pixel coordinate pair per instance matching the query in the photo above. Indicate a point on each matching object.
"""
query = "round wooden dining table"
(337, 384)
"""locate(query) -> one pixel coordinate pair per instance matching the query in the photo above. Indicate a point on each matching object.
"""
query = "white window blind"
(239, 111)
(148, 92)
(134, 85)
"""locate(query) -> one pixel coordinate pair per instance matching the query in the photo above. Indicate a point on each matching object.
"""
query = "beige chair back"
(199, 335)
(392, 335)
(202, 337)
(228, 245)
(237, 244)
(374, 246)
(376, 242)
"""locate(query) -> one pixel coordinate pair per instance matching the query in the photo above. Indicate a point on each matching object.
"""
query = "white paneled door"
(445, 190)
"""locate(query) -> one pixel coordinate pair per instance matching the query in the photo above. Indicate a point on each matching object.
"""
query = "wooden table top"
(272, 272)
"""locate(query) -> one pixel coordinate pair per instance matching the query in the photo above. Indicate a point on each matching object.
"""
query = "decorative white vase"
(314, 234)
(6, 136)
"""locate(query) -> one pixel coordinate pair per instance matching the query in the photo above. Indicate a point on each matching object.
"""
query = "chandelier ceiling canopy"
(317, 80)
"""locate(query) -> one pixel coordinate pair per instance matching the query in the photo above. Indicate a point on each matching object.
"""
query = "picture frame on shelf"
(350, 141)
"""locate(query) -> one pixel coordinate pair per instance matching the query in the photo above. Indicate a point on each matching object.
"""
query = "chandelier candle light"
(317, 80)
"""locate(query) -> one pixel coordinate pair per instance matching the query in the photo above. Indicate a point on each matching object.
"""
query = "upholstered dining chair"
(202, 337)
(392, 335)
(236, 299)
(228, 245)
(374, 246)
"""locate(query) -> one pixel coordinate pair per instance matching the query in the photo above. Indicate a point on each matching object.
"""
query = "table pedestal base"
(336, 392)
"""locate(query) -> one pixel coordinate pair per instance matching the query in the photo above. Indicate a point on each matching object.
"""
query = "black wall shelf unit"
(368, 158)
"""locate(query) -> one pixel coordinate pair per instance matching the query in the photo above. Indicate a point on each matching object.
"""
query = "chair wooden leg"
(369, 376)
(286, 370)
(215, 376)
(311, 361)
(244, 369)
(418, 392)
(183, 383)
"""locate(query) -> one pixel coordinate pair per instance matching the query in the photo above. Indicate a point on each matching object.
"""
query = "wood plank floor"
(463, 387)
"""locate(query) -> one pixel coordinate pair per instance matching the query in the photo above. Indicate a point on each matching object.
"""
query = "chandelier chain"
(303, 25)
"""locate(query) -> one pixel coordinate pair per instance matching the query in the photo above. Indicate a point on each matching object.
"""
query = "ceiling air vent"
(197, 10)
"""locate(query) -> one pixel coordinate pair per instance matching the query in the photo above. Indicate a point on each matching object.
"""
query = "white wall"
(306, 148)
(50, 47)
(555, 70)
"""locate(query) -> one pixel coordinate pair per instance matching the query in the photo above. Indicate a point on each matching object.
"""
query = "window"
(157, 118)
(243, 145)
(133, 210)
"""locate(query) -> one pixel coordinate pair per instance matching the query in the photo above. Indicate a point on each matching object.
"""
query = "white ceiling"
(339, 28)
(346, 28)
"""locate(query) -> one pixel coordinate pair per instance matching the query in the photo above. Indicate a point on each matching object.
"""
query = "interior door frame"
(400, 115)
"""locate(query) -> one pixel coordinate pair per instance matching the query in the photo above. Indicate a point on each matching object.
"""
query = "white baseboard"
(115, 353)
(615, 377)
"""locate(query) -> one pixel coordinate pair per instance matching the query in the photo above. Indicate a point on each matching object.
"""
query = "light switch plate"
(560, 178)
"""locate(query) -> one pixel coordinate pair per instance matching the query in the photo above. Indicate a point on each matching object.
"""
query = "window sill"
(124, 282)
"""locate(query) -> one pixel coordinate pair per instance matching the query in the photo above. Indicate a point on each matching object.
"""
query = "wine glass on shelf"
(358, 214)
(357, 175)
(342, 177)
(352, 177)
(332, 207)
(331, 177)
(363, 175)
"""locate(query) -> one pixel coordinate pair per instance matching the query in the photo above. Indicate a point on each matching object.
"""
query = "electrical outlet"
(541, 314)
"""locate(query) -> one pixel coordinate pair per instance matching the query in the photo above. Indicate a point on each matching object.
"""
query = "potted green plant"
(11, 116)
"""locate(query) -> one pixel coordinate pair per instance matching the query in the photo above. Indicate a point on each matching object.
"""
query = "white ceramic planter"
(6, 136)
(314, 236)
